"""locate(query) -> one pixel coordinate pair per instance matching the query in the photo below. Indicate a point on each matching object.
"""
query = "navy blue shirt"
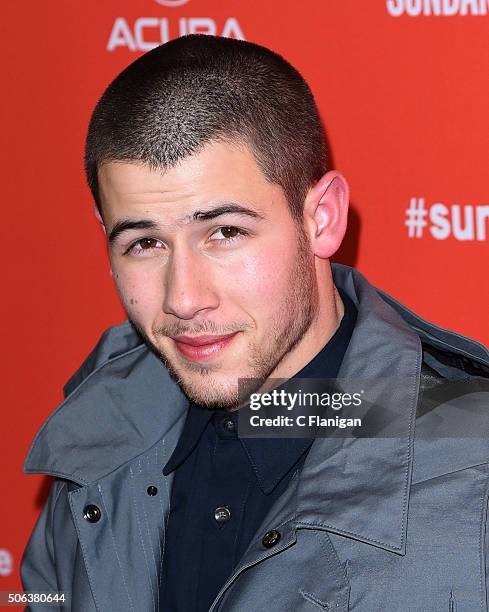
(224, 486)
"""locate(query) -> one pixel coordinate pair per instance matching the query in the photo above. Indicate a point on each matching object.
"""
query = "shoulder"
(452, 417)
(380, 306)
(453, 348)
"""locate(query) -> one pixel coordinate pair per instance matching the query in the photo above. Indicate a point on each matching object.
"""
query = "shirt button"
(271, 538)
(228, 425)
(151, 490)
(222, 514)
(91, 513)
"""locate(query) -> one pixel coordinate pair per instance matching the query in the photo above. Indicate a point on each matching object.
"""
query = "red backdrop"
(403, 89)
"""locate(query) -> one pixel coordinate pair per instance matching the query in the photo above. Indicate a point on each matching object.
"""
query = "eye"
(145, 246)
(229, 233)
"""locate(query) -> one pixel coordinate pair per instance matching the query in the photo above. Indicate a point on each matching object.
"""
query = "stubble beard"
(292, 320)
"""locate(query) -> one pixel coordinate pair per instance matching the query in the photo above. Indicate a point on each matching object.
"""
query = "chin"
(204, 386)
(211, 395)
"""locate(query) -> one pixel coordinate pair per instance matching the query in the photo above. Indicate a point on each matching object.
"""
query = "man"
(207, 162)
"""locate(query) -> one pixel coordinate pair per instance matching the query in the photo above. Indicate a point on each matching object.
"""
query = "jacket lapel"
(121, 409)
(359, 486)
(112, 436)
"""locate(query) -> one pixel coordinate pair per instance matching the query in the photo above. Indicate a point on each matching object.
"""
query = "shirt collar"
(271, 458)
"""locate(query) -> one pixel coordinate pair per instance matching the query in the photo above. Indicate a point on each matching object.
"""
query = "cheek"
(264, 279)
(140, 293)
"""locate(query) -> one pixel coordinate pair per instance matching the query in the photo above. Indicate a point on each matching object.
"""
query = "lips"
(202, 348)
(201, 340)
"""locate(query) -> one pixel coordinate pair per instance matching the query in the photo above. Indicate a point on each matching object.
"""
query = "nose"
(189, 288)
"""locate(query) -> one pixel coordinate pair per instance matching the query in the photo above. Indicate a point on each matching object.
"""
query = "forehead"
(218, 171)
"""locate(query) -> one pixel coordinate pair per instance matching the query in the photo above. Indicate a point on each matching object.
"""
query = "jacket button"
(91, 513)
(271, 538)
(228, 425)
(222, 514)
(151, 490)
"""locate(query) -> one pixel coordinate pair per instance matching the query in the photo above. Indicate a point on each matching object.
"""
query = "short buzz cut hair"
(181, 95)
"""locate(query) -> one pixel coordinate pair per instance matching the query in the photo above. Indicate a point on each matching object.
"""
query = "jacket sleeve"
(38, 566)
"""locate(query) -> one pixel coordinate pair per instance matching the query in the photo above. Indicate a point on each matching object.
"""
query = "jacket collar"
(359, 487)
(356, 487)
(120, 410)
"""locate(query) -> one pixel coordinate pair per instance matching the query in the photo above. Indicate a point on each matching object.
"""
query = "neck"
(327, 320)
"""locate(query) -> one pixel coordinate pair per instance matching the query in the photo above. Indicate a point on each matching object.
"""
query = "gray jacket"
(369, 524)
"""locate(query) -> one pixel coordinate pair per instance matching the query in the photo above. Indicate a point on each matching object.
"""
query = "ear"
(326, 213)
(98, 216)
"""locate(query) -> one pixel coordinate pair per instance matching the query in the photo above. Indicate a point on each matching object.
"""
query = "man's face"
(211, 268)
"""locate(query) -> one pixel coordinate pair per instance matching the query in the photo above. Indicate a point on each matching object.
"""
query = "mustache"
(177, 329)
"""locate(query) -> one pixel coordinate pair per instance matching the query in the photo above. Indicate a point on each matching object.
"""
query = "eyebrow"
(127, 224)
(199, 215)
